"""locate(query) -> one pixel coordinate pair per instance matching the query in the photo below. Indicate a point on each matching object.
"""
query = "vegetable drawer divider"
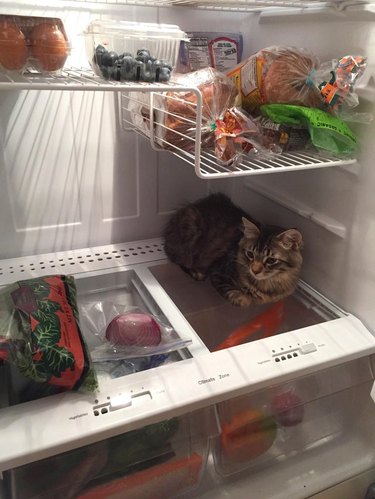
(204, 163)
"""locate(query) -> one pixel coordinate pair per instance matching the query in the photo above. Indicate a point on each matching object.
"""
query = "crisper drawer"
(102, 298)
(165, 459)
(307, 416)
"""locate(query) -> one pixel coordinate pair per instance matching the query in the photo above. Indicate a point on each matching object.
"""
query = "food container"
(130, 51)
(29, 43)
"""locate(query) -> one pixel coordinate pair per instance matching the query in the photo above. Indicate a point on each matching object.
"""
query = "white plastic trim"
(226, 5)
(77, 79)
(301, 209)
(82, 260)
(221, 5)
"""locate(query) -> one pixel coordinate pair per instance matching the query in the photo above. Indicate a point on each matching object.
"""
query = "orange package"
(157, 482)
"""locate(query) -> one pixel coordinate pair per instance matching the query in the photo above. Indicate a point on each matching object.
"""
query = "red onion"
(133, 328)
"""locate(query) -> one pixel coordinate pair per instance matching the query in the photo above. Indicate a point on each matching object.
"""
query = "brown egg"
(13, 48)
(49, 46)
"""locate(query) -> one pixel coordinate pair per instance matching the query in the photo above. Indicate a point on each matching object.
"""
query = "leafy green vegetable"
(39, 287)
(47, 333)
(35, 370)
(58, 359)
(48, 306)
(139, 445)
(43, 336)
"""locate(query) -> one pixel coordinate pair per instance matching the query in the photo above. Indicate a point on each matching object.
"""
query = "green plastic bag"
(326, 131)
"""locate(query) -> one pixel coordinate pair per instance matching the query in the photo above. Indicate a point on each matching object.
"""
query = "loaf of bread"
(288, 78)
(283, 75)
(175, 112)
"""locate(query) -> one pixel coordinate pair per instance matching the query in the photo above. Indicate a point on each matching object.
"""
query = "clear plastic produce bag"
(122, 332)
(290, 75)
(40, 332)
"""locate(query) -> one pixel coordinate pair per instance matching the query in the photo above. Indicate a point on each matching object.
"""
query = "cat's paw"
(198, 276)
(238, 298)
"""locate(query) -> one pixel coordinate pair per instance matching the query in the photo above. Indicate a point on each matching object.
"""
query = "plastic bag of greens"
(40, 332)
(326, 131)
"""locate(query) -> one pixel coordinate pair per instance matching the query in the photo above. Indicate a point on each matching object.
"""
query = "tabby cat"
(246, 262)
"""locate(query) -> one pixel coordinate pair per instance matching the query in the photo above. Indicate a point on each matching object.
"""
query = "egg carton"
(30, 43)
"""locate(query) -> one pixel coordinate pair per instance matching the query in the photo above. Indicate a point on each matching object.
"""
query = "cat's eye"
(249, 254)
(271, 261)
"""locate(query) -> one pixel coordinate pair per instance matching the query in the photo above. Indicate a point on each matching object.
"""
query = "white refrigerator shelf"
(132, 101)
(45, 427)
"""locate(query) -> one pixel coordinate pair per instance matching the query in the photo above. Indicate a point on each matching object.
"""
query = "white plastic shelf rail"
(250, 5)
(230, 5)
(94, 259)
(204, 163)
(99, 259)
(72, 79)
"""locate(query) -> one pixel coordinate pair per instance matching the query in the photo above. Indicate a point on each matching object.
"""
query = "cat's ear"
(250, 230)
(291, 239)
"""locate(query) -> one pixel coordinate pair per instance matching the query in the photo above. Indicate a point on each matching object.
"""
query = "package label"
(199, 54)
(221, 51)
(224, 53)
(247, 78)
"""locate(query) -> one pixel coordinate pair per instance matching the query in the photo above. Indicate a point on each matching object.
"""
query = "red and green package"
(41, 335)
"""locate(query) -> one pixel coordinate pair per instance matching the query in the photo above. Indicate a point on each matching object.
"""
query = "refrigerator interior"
(71, 177)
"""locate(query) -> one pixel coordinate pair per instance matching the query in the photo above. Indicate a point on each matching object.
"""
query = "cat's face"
(270, 253)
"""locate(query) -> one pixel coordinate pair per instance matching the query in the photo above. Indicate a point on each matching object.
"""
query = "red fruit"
(133, 328)
(287, 408)
(13, 48)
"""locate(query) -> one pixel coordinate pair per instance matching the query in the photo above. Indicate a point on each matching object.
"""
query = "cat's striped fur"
(245, 261)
